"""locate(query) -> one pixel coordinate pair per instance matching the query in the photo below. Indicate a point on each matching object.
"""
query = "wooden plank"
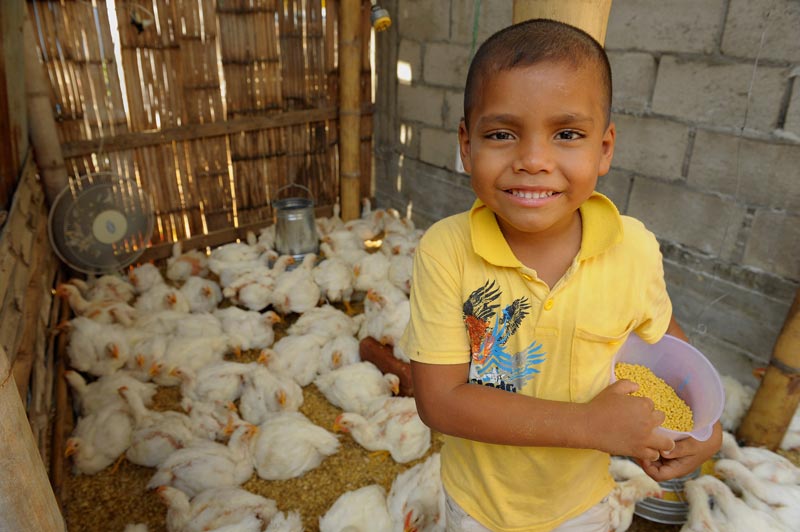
(62, 418)
(29, 318)
(26, 498)
(14, 126)
(195, 131)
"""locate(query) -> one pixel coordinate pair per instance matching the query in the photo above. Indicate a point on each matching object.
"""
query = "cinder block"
(438, 147)
(494, 16)
(408, 138)
(676, 213)
(616, 184)
(650, 146)
(706, 306)
(420, 103)
(792, 123)
(773, 243)
(776, 22)
(422, 20)
(411, 53)
(435, 192)
(634, 75)
(755, 172)
(454, 109)
(665, 26)
(717, 93)
(446, 64)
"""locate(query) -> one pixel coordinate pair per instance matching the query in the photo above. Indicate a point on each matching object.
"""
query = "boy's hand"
(622, 425)
(688, 455)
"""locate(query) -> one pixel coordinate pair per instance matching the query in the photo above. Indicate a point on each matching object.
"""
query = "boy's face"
(537, 142)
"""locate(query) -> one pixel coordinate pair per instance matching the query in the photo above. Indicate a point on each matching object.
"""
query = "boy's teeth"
(531, 195)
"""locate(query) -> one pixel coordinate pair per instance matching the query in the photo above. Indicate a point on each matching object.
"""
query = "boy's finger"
(624, 386)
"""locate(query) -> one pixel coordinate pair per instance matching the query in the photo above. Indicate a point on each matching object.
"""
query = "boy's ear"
(607, 149)
(464, 146)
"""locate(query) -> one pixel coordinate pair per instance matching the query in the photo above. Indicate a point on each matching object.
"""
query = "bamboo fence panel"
(178, 66)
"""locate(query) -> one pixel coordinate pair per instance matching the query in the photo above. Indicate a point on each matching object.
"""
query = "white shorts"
(595, 519)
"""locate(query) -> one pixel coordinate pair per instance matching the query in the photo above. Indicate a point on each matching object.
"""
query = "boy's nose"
(533, 156)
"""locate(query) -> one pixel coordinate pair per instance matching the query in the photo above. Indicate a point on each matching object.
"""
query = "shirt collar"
(601, 225)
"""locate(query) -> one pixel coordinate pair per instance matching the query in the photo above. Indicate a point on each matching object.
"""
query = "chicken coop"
(167, 361)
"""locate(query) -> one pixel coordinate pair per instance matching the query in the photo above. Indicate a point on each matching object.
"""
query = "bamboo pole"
(778, 396)
(27, 501)
(589, 15)
(349, 107)
(43, 132)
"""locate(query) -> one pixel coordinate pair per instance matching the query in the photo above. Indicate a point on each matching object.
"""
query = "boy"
(519, 305)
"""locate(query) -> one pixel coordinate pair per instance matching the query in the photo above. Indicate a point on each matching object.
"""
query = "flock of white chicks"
(132, 335)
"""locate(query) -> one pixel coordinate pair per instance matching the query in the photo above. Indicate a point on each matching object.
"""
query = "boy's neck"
(549, 254)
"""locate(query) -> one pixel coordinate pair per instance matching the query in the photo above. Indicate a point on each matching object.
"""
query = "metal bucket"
(671, 508)
(295, 227)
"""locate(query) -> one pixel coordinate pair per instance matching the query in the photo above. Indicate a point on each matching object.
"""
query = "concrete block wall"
(707, 109)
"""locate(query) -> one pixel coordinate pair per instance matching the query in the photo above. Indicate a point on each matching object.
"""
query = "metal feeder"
(295, 225)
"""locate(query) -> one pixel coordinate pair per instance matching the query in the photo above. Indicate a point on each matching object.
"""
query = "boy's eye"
(568, 135)
(499, 135)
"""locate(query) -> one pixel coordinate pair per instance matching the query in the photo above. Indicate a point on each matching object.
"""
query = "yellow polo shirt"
(473, 301)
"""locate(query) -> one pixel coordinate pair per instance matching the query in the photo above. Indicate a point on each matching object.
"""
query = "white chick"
(144, 277)
(202, 295)
(417, 499)
(295, 356)
(386, 316)
(326, 321)
(266, 237)
(791, 438)
(264, 393)
(626, 493)
(198, 324)
(295, 290)
(326, 226)
(701, 517)
(93, 397)
(779, 500)
(391, 424)
(211, 419)
(205, 464)
(335, 280)
(338, 352)
(161, 297)
(762, 462)
(214, 508)
(286, 522)
(99, 439)
(289, 445)
(370, 270)
(353, 387)
(106, 287)
(156, 435)
(738, 397)
(218, 381)
(146, 355)
(399, 274)
(361, 510)
(249, 329)
(181, 265)
(105, 311)
(96, 348)
(734, 514)
(192, 353)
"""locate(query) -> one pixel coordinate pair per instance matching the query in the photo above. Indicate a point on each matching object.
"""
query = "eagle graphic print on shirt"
(489, 331)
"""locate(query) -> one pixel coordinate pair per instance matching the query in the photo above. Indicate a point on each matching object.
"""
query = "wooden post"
(26, 498)
(43, 131)
(350, 107)
(589, 15)
(776, 400)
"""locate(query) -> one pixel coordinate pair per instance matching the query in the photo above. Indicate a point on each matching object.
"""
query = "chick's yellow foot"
(380, 455)
(115, 467)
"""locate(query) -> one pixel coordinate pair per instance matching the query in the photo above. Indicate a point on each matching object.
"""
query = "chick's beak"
(71, 449)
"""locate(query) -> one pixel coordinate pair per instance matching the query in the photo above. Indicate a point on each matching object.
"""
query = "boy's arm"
(613, 421)
(689, 454)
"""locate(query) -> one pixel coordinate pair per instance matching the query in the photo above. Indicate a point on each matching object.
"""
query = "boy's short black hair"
(530, 42)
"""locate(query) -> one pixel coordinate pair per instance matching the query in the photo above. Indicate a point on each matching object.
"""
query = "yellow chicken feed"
(678, 414)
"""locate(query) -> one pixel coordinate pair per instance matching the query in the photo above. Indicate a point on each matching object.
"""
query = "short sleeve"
(656, 305)
(436, 333)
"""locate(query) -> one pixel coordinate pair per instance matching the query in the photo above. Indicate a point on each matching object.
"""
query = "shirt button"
(527, 277)
(548, 304)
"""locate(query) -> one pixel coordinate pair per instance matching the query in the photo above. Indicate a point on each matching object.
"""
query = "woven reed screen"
(211, 105)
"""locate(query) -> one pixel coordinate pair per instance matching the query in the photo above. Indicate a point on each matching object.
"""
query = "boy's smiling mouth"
(531, 194)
